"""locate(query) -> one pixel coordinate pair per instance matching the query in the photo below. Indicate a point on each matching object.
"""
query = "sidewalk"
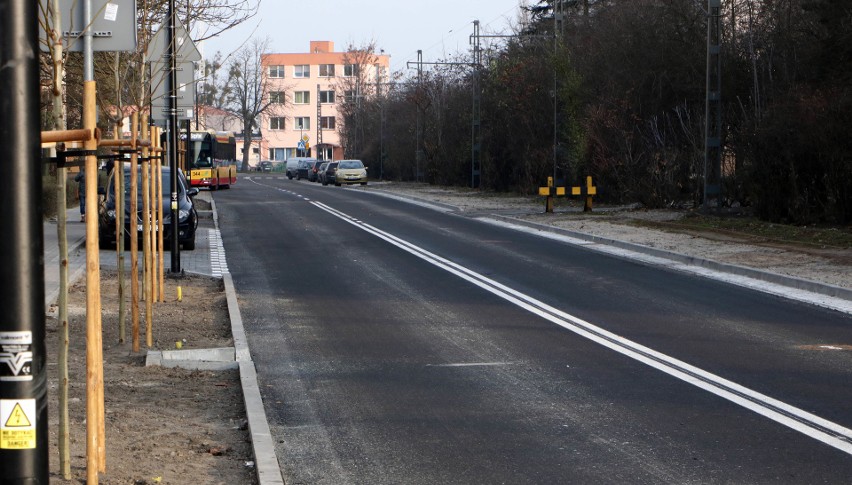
(198, 261)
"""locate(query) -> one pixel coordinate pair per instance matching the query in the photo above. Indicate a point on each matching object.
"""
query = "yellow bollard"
(180, 293)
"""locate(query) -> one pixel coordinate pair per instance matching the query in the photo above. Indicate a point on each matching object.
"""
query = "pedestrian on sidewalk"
(80, 178)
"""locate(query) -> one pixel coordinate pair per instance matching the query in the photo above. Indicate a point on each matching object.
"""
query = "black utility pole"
(475, 124)
(171, 87)
(418, 154)
(713, 111)
(23, 376)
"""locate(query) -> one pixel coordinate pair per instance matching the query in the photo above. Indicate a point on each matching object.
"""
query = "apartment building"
(308, 88)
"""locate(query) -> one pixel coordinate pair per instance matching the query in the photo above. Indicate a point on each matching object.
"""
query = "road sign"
(301, 145)
(185, 49)
(185, 92)
(185, 84)
(113, 25)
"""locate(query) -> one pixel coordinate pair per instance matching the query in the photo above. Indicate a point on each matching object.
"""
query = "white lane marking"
(472, 364)
(825, 301)
(797, 419)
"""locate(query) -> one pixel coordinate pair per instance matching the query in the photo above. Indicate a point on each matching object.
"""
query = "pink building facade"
(306, 90)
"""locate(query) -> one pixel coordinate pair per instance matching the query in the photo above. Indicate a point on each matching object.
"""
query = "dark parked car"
(313, 173)
(328, 175)
(264, 166)
(321, 171)
(304, 168)
(187, 215)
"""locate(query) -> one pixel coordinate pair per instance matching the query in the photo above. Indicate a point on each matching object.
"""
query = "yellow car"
(350, 172)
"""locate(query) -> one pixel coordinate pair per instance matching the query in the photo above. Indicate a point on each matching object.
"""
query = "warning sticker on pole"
(16, 356)
(17, 424)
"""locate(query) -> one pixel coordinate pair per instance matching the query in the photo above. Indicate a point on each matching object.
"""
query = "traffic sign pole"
(171, 86)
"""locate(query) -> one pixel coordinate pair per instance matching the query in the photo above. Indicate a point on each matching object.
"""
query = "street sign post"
(184, 95)
(113, 25)
(185, 49)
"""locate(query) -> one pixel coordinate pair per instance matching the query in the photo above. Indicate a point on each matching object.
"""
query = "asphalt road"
(398, 344)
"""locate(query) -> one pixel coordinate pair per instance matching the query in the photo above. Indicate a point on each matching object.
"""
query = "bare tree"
(244, 93)
(362, 79)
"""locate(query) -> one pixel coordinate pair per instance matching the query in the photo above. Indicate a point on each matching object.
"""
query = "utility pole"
(23, 375)
(475, 122)
(418, 154)
(558, 32)
(475, 115)
(713, 109)
(318, 143)
(381, 131)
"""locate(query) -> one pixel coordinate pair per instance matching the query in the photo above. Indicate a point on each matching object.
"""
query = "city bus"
(211, 159)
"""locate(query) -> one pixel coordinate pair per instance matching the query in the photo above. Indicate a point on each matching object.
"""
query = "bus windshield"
(203, 159)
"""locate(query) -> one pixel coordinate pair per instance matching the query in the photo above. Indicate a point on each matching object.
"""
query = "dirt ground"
(163, 426)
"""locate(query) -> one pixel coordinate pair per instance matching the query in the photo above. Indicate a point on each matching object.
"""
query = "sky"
(438, 27)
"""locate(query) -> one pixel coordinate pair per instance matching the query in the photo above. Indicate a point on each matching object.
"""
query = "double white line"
(811, 425)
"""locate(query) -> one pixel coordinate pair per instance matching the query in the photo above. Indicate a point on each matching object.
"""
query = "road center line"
(806, 423)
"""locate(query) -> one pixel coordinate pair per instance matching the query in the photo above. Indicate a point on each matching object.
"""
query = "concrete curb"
(778, 279)
(266, 461)
(195, 359)
(239, 357)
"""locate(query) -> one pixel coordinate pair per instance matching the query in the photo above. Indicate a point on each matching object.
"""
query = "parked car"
(187, 215)
(313, 173)
(292, 168)
(264, 166)
(321, 171)
(305, 168)
(350, 172)
(328, 174)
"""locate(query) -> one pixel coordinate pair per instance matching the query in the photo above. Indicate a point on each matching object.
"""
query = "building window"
(302, 70)
(290, 153)
(302, 123)
(276, 97)
(381, 72)
(350, 70)
(349, 95)
(327, 122)
(276, 71)
(276, 123)
(326, 97)
(278, 154)
(302, 97)
(326, 70)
